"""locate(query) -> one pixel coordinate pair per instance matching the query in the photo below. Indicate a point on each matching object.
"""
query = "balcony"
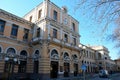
(56, 40)
(36, 39)
(63, 43)
(59, 42)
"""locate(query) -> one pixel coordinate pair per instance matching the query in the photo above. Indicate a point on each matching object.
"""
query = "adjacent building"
(117, 65)
(103, 60)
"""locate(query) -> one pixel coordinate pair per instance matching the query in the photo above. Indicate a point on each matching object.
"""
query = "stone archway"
(9, 67)
(66, 64)
(23, 62)
(54, 64)
(36, 61)
(75, 65)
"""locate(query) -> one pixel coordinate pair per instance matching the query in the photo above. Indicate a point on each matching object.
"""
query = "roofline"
(14, 16)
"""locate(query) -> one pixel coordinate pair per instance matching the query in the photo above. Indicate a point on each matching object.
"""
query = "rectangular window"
(54, 33)
(38, 32)
(26, 34)
(30, 19)
(66, 38)
(39, 14)
(73, 26)
(2, 25)
(74, 40)
(14, 31)
(55, 15)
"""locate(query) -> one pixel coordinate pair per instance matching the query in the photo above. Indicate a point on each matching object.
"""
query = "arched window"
(54, 54)
(24, 53)
(74, 57)
(11, 51)
(9, 67)
(36, 61)
(23, 62)
(66, 56)
(37, 52)
(75, 64)
(66, 64)
(54, 64)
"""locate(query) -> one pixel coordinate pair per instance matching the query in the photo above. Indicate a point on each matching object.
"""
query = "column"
(49, 27)
(60, 16)
(71, 38)
(44, 63)
(61, 33)
(49, 10)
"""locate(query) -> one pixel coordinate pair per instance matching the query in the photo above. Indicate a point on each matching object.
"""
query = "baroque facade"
(44, 44)
(117, 65)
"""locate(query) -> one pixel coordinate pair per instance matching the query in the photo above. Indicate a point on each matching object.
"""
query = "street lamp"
(83, 67)
(10, 61)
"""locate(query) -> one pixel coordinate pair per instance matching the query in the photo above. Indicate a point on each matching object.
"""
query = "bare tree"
(103, 11)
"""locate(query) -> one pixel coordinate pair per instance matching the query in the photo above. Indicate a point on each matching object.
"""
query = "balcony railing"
(36, 39)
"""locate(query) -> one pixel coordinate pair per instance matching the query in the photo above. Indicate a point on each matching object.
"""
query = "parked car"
(103, 73)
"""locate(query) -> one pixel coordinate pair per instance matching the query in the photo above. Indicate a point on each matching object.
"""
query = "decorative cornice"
(12, 39)
(14, 17)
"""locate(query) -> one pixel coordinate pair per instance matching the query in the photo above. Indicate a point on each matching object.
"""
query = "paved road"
(111, 77)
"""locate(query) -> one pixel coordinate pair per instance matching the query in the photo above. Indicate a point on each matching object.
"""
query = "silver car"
(103, 73)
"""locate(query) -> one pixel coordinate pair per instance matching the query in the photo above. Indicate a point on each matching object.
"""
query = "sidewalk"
(114, 74)
(87, 77)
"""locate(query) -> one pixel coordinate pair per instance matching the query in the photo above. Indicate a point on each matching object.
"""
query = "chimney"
(64, 8)
(47, 0)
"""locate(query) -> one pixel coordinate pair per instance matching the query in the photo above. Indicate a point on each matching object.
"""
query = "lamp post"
(10, 60)
(83, 67)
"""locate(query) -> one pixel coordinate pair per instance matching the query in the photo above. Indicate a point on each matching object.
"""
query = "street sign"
(83, 67)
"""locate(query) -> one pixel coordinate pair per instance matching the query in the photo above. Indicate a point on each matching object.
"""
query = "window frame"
(74, 41)
(26, 34)
(54, 33)
(39, 13)
(65, 37)
(22, 68)
(36, 62)
(55, 15)
(73, 26)
(14, 31)
(30, 18)
(38, 32)
(2, 26)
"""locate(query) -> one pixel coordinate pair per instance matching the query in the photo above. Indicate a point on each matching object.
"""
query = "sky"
(89, 29)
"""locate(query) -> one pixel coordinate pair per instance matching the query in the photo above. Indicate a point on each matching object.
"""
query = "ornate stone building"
(103, 60)
(44, 44)
(117, 65)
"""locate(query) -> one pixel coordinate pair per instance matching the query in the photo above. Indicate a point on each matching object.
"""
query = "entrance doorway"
(75, 69)
(54, 69)
(22, 67)
(9, 67)
(66, 69)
